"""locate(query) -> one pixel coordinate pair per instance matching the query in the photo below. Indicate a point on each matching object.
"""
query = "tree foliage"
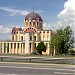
(63, 40)
(41, 47)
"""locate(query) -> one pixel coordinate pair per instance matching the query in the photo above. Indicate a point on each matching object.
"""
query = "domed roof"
(33, 16)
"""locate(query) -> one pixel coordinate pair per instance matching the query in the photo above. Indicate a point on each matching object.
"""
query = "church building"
(25, 40)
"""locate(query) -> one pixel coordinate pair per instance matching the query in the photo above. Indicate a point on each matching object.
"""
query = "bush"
(41, 47)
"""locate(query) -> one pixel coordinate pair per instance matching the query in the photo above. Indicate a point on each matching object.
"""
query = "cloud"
(4, 30)
(39, 11)
(67, 15)
(59, 25)
(14, 12)
(46, 26)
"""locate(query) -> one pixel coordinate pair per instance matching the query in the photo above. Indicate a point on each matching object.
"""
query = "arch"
(30, 29)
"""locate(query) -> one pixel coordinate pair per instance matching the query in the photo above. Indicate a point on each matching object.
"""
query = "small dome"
(33, 16)
(16, 29)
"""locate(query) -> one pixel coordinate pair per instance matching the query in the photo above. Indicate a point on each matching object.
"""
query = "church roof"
(16, 29)
(33, 16)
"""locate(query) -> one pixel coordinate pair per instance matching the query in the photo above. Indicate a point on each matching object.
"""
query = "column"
(46, 39)
(18, 36)
(35, 24)
(48, 49)
(32, 36)
(13, 48)
(16, 49)
(42, 36)
(19, 48)
(28, 23)
(2, 47)
(38, 36)
(54, 51)
(32, 23)
(27, 48)
(6, 47)
(15, 38)
(22, 48)
(49, 36)
(10, 48)
(36, 44)
(32, 47)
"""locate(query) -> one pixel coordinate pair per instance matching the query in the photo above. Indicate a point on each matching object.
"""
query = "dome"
(33, 16)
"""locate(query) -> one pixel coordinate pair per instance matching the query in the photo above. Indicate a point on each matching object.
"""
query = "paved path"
(36, 69)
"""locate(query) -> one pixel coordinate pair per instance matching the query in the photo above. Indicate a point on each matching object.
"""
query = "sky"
(55, 14)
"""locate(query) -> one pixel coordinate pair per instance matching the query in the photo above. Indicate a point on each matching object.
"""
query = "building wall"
(20, 46)
(33, 23)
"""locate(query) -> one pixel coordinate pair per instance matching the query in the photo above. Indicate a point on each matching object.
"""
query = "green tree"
(41, 47)
(63, 40)
(68, 39)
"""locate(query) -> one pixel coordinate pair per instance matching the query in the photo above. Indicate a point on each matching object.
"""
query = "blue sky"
(12, 12)
(49, 10)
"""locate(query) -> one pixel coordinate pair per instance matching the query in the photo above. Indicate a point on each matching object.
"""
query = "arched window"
(37, 23)
(35, 38)
(12, 37)
(21, 38)
(33, 23)
(30, 45)
(16, 38)
(30, 38)
(30, 23)
(35, 45)
(31, 28)
(24, 45)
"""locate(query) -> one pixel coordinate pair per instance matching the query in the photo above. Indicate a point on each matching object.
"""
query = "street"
(14, 68)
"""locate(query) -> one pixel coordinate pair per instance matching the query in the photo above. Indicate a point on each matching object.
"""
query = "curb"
(46, 64)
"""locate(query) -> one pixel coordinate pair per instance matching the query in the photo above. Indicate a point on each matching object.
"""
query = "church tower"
(33, 22)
